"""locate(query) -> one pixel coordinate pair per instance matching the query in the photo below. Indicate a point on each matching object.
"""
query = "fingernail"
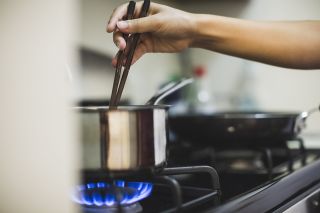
(118, 44)
(122, 24)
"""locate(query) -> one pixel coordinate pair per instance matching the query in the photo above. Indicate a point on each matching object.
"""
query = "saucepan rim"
(121, 108)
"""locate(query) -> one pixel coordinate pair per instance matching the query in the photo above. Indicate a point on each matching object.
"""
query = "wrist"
(205, 32)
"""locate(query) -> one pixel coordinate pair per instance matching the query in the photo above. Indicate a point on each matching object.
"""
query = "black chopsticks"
(124, 60)
(120, 57)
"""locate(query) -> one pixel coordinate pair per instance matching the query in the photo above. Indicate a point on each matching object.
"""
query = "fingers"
(114, 62)
(141, 25)
(119, 40)
(141, 49)
(118, 14)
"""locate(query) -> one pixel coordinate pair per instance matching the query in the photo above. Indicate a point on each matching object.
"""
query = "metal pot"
(131, 138)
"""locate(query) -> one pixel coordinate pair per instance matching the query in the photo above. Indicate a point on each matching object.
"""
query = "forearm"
(287, 44)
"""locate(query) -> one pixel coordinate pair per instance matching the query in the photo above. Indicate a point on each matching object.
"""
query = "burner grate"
(170, 194)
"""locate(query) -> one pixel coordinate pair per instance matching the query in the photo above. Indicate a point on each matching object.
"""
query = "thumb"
(141, 25)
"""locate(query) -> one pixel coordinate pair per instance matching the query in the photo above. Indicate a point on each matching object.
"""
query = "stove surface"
(231, 180)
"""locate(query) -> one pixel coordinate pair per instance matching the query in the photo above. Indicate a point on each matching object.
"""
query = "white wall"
(37, 146)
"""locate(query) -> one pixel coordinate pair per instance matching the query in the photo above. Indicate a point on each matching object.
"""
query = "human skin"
(291, 44)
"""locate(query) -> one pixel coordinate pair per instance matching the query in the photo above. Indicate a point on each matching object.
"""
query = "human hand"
(165, 29)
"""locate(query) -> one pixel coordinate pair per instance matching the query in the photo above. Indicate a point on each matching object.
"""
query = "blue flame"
(104, 194)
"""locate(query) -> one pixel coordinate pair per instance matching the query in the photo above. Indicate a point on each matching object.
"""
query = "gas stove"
(198, 179)
(165, 191)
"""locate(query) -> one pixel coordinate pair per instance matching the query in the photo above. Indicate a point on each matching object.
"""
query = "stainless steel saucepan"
(130, 138)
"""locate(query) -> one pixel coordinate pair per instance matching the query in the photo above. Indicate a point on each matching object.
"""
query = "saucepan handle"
(168, 89)
(300, 123)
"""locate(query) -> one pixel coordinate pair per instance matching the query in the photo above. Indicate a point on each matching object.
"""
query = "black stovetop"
(250, 180)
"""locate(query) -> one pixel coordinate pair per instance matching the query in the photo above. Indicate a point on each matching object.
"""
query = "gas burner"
(170, 193)
(108, 197)
(133, 208)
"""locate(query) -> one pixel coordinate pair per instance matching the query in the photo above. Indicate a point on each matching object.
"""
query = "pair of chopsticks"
(124, 57)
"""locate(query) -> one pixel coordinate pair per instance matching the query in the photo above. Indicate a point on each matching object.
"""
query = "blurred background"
(231, 83)
(57, 54)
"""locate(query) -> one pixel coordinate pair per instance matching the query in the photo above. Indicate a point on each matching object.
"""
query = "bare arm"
(292, 44)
